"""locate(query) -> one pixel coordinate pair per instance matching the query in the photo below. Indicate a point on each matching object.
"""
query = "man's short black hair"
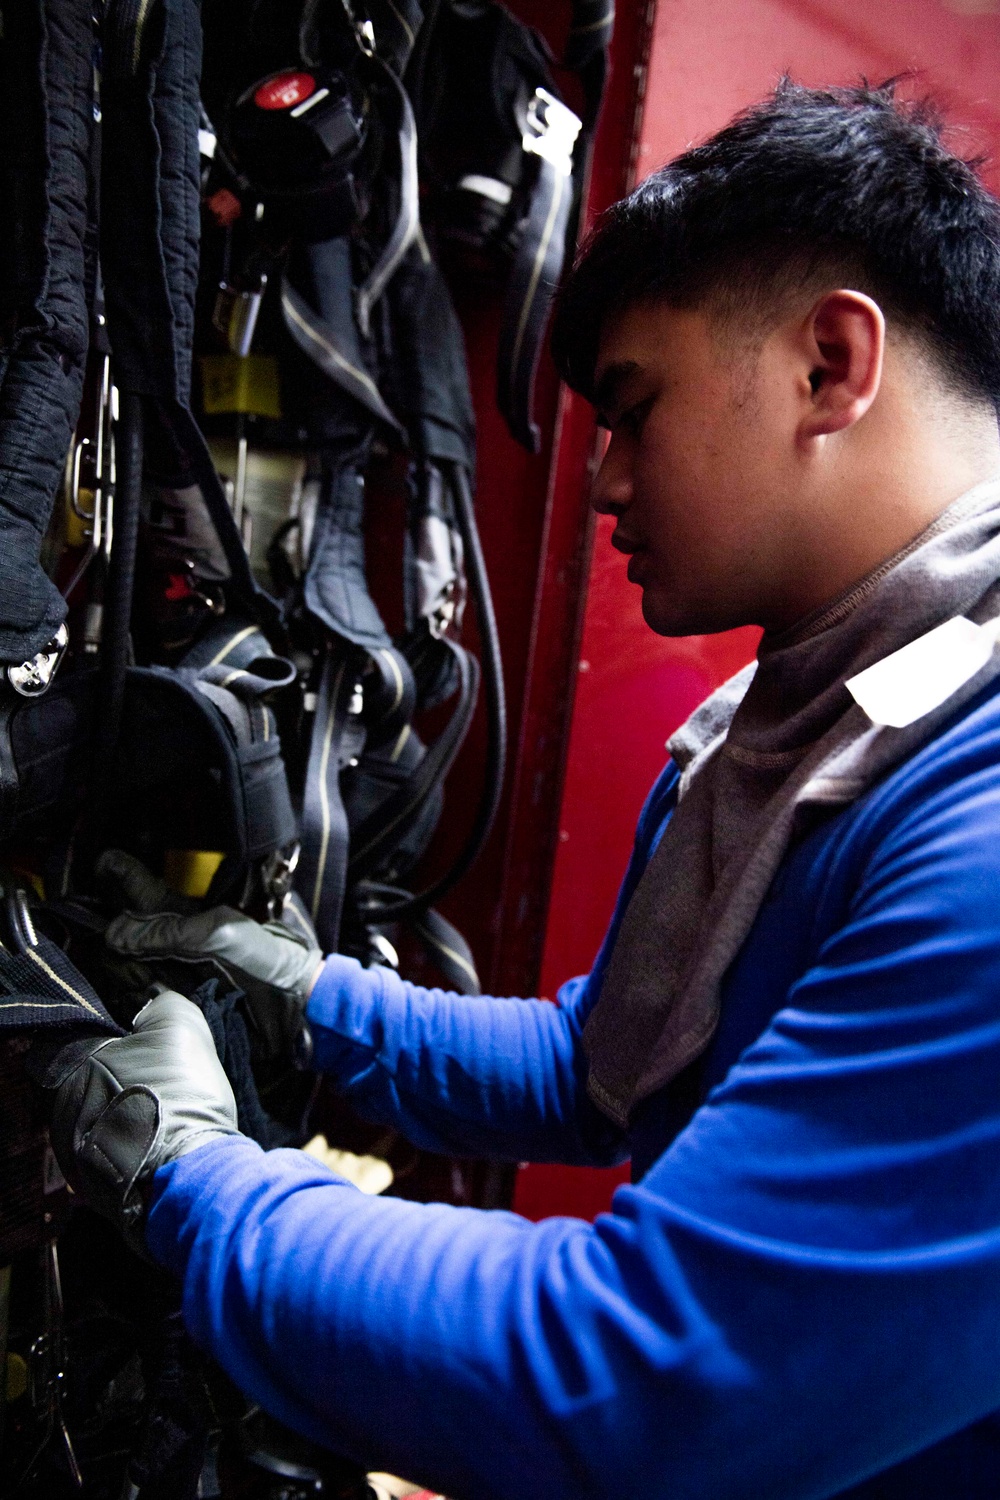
(852, 186)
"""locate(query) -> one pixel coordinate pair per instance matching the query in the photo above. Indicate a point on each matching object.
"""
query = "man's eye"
(635, 416)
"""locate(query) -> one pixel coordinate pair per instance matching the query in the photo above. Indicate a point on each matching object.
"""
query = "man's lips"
(633, 550)
(634, 569)
(623, 543)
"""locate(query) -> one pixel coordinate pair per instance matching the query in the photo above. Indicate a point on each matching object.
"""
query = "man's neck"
(883, 488)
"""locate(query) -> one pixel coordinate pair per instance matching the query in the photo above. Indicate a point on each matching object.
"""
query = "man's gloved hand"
(273, 966)
(127, 1105)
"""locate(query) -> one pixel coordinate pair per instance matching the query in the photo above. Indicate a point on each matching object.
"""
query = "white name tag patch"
(915, 680)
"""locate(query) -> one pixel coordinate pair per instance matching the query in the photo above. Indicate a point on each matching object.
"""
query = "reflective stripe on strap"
(534, 278)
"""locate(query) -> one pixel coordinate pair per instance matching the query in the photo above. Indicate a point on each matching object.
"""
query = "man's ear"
(845, 342)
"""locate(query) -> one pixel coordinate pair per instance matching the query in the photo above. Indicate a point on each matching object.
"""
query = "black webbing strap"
(243, 589)
(41, 992)
(407, 222)
(9, 779)
(375, 837)
(427, 379)
(324, 345)
(337, 737)
(249, 720)
(449, 950)
(551, 223)
(230, 642)
(533, 280)
(336, 586)
(397, 26)
(119, 590)
(587, 53)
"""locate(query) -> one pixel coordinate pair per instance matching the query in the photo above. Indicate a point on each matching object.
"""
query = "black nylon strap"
(229, 642)
(42, 991)
(336, 588)
(242, 586)
(407, 225)
(533, 280)
(9, 779)
(546, 237)
(381, 830)
(427, 380)
(587, 48)
(397, 26)
(324, 345)
(449, 950)
(337, 736)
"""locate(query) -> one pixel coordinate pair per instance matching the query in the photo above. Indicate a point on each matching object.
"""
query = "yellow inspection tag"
(190, 871)
(248, 385)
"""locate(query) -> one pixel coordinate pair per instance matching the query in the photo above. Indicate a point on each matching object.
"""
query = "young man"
(793, 1026)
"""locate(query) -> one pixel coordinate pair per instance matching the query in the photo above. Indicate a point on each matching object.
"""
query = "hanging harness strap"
(374, 838)
(397, 26)
(549, 233)
(364, 704)
(588, 53)
(336, 589)
(320, 342)
(427, 380)
(449, 950)
(234, 652)
(507, 161)
(337, 738)
(550, 132)
(149, 237)
(46, 121)
(407, 224)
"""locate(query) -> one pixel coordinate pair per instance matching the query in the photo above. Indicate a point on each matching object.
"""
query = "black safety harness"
(368, 313)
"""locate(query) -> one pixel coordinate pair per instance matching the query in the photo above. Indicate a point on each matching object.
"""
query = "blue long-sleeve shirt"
(802, 1290)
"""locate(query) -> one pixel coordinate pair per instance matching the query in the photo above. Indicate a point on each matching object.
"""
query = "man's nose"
(611, 491)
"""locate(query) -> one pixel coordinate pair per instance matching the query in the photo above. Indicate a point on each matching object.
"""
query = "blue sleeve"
(470, 1074)
(804, 1290)
(466, 1074)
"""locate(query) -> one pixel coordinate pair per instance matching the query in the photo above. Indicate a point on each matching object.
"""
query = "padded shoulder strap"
(46, 114)
(336, 588)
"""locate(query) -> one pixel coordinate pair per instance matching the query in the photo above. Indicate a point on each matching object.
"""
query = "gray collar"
(783, 735)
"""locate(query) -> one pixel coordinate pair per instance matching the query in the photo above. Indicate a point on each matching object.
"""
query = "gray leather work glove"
(273, 966)
(125, 1106)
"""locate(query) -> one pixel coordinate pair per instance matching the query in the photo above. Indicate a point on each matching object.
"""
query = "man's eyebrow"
(612, 380)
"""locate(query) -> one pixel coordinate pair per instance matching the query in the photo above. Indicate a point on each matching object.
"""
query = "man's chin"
(668, 615)
(666, 620)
